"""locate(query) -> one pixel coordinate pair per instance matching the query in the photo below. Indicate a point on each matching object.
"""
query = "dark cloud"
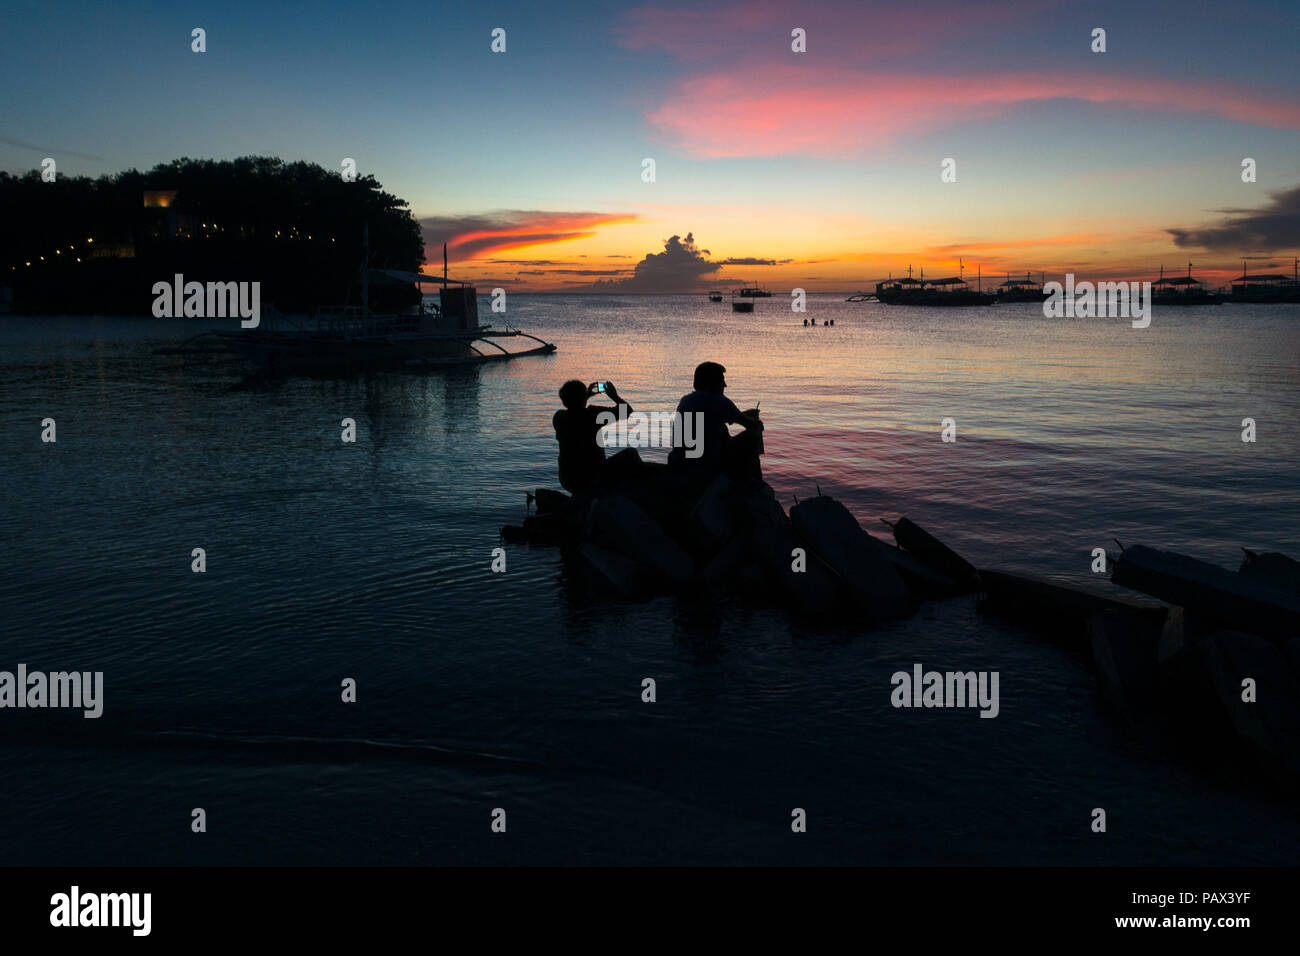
(529, 262)
(1273, 227)
(681, 267)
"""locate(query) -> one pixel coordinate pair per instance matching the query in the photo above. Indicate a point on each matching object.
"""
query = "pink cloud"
(833, 111)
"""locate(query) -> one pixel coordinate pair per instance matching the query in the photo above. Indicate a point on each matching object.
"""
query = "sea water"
(371, 561)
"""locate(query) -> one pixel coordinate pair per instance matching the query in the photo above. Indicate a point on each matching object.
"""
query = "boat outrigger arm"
(483, 333)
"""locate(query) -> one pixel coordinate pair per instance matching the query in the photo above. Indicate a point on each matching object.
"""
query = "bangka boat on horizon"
(1182, 290)
(1022, 290)
(948, 292)
(1277, 287)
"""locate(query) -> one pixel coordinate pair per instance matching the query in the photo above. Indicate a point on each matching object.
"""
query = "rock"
(812, 591)
(920, 580)
(620, 524)
(1057, 608)
(1126, 650)
(858, 560)
(712, 521)
(934, 554)
(552, 501)
(1234, 601)
(1272, 569)
(1269, 726)
(621, 574)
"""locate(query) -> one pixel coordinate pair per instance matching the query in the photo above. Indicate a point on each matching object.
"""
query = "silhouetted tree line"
(295, 227)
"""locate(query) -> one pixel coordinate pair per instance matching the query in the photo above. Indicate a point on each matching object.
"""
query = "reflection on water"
(371, 560)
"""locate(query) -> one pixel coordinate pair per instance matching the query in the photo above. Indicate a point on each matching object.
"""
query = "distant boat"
(715, 296)
(1182, 290)
(352, 338)
(755, 292)
(1266, 288)
(1021, 290)
(741, 305)
(940, 293)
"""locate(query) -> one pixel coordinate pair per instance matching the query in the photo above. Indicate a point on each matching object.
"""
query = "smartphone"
(601, 386)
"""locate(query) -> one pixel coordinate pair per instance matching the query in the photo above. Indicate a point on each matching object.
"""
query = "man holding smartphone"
(577, 429)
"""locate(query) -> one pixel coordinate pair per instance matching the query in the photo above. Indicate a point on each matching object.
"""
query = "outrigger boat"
(1182, 290)
(1021, 290)
(952, 291)
(894, 290)
(1266, 288)
(351, 338)
(891, 287)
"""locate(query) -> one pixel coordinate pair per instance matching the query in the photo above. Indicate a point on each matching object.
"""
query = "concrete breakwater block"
(622, 575)
(1260, 690)
(1235, 601)
(934, 554)
(1057, 608)
(1126, 651)
(620, 524)
(858, 560)
(1272, 569)
(772, 543)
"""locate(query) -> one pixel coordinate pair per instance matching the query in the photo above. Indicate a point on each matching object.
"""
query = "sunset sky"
(818, 169)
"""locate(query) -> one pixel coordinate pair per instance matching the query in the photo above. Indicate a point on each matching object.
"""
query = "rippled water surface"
(477, 690)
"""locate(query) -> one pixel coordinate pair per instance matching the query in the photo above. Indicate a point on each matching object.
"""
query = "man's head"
(710, 377)
(573, 394)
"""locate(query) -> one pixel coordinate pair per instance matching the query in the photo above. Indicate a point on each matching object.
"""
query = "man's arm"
(747, 419)
(612, 392)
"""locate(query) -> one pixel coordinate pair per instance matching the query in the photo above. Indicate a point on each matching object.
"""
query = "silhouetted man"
(736, 457)
(583, 469)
